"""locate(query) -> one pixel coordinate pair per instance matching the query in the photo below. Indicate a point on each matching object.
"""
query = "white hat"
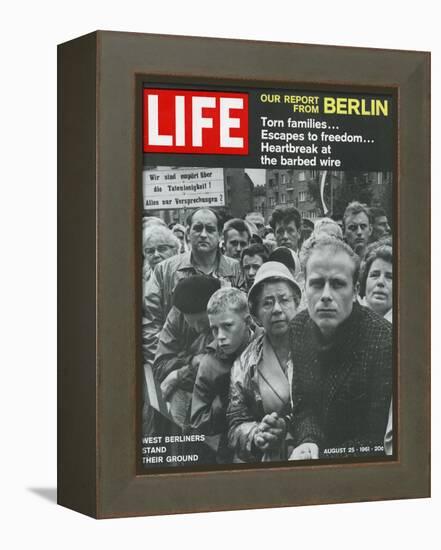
(270, 270)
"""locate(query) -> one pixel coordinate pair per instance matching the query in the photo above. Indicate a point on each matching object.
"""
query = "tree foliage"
(354, 186)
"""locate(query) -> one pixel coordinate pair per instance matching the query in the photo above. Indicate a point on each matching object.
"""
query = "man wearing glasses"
(204, 232)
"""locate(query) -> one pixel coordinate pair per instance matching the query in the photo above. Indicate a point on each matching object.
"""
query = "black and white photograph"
(267, 289)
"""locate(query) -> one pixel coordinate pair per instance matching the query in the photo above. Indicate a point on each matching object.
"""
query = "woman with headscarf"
(260, 397)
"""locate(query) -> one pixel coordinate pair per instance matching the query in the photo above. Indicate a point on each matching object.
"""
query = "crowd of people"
(272, 341)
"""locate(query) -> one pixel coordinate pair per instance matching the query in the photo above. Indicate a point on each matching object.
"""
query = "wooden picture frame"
(99, 266)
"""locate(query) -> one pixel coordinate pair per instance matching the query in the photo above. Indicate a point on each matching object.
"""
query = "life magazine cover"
(267, 276)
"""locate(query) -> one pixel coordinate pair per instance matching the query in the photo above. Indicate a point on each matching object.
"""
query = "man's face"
(357, 232)
(197, 321)
(157, 249)
(276, 308)
(250, 265)
(230, 329)
(235, 242)
(380, 227)
(258, 221)
(287, 235)
(329, 288)
(203, 233)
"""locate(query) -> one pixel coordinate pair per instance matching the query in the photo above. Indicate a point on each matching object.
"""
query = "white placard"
(166, 188)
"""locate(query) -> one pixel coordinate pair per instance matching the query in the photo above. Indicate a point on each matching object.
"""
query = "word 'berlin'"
(353, 106)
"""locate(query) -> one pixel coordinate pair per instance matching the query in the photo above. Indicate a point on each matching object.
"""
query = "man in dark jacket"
(342, 357)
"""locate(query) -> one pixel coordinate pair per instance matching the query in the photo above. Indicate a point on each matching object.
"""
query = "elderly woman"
(376, 289)
(260, 385)
(158, 244)
(376, 278)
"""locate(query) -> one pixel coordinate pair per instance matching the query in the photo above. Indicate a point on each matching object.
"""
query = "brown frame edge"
(77, 375)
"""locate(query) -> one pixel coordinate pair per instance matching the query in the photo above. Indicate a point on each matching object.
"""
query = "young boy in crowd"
(230, 322)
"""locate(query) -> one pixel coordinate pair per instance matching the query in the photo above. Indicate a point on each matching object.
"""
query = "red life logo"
(198, 122)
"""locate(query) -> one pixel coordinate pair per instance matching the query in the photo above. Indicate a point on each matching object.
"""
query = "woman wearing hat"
(260, 398)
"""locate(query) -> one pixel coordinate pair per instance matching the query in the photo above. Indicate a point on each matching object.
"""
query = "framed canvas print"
(244, 274)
